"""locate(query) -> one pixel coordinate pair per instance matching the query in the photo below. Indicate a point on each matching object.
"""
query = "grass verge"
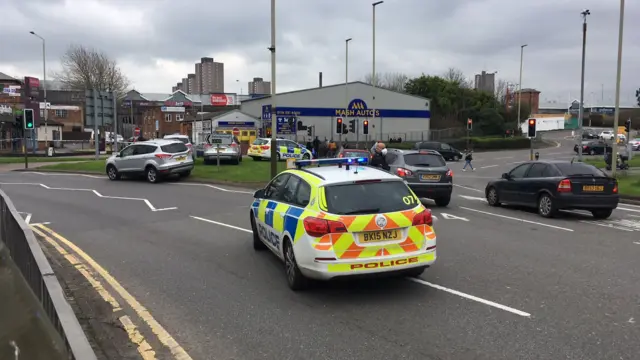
(248, 171)
(43, 159)
(629, 185)
(598, 161)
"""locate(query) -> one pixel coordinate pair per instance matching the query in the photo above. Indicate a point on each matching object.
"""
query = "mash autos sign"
(223, 99)
(357, 108)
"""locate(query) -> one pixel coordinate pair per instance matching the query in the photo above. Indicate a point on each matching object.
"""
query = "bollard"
(537, 155)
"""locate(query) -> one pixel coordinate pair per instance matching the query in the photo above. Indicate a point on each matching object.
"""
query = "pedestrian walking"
(468, 158)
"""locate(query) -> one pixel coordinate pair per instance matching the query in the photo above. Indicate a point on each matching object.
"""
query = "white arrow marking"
(473, 198)
(27, 217)
(147, 202)
(453, 217)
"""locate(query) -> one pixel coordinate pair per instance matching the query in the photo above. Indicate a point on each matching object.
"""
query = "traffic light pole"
(24, 147)
(530, 149)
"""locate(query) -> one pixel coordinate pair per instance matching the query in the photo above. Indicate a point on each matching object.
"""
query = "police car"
(286, 149)
(342, 219)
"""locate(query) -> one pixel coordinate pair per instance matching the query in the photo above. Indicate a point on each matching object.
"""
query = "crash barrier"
(26, 253)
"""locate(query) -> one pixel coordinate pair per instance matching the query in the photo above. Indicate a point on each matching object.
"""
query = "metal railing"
(28, 256)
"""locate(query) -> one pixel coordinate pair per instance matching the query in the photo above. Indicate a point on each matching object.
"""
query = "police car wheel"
(295, 279)
(305, 157)
(257, 243)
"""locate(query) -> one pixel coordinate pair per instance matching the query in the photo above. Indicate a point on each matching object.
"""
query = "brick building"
(531, 97)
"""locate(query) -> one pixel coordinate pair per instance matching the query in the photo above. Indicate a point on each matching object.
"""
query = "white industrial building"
(545, 123)
(396, 114)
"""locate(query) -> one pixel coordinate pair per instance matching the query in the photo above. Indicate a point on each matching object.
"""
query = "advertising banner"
(223, 99)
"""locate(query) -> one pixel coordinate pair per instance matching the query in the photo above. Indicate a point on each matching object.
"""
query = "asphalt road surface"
(507, 284)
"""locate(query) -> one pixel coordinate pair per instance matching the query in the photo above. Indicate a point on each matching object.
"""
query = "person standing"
(468, 157)
(379, 157)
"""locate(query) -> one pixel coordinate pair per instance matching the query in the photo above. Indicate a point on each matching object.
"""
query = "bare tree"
(389, 81)
(85, 69)
(457, 77)
(501, 91)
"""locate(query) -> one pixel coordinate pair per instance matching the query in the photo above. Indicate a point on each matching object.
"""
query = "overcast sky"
(157, 42)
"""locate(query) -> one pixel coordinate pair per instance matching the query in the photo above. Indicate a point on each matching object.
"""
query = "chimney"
(320, 79)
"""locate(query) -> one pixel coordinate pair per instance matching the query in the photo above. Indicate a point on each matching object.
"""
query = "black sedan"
(593, 147)
(551, 186)
(590, 135)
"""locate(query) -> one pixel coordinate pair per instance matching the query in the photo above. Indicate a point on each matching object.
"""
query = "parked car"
(447, 151)
(155, 159)
(227, 150)
(354, 153)
(607, 135)
(635, 144)
(592, 147)
(185, 140)
(551, 186)
(590, 135)
(425, 171)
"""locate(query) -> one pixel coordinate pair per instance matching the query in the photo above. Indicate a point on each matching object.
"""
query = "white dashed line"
(516, 219)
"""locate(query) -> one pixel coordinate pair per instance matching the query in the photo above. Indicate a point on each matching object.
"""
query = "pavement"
(178, 260)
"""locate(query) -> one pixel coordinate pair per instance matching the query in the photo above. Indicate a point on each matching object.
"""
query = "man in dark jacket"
(379, 157)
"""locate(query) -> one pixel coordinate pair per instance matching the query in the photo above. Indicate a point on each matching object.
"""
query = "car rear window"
(369, 198)
(430, 160)
(260, 142)
(356, 154)
(577, 168)
(174, 148)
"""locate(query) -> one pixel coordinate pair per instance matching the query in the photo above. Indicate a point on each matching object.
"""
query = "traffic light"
(339, 125)
(310, 130)
(365, 127)
(344, 129)
(28, 119)
(352, 125)
(627, 125)
(532, 128)
(469, 124)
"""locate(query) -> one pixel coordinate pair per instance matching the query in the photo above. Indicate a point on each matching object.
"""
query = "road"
(507, 285)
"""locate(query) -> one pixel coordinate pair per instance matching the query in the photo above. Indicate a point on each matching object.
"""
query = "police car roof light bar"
(336, 161)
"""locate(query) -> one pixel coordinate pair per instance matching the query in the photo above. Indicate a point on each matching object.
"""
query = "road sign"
(236, 131)
(136, 132)
(285, 126)
(219, 139)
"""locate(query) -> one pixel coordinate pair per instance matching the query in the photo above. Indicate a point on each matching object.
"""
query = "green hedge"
(477, 143)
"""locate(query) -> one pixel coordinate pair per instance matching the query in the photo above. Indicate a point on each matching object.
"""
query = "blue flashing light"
(336, 161)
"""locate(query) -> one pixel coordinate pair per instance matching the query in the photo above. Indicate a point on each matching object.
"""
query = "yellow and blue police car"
(286, 149)
(333, 218)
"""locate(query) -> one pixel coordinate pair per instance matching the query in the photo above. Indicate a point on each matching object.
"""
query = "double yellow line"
(88, 268)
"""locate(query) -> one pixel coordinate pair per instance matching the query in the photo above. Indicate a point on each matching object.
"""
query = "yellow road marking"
(144, 348)
(83, 270)
(178, 352)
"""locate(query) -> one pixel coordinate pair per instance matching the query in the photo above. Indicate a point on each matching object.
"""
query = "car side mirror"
(506, 176)
(118, 155)
(258, 194)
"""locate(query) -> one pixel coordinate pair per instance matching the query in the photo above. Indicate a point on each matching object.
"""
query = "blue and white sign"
(248, 124)
(266, 112)
(286, 125)
(157, 125)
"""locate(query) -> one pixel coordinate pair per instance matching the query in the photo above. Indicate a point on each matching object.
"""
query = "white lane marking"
(633, 215)
(633, 206)
(637, 243)
(147, 202)
(471, 297)
(627, 209)
(506, 157)
(468, 188)
(215, 187)
(473, 198)
(453, 217)
(41, 223)
(607, 225)
(516, 162)
(63, 174)
(221, 224)
(516, 219)
(435, 286)
(488, 166)
(555, 153)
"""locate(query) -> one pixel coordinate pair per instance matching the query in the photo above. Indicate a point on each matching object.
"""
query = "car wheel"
(456, 158)
(492, 197)
(443, 201)
(295, 279)
(240, 158)
(305, 157)
(546, 207)
(415, 272)
(113, 173)
(278, 156)
(152, 175)
(592, 152)
(602, 213)
(255, 158)
(257, 243)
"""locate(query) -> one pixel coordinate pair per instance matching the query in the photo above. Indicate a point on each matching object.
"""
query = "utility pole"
(274, 119)
(614, 156)
(346, 84)
(373, 74)
(520, 85)
(584, 14)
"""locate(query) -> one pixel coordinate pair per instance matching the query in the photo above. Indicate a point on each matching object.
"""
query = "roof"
(4, 76)
(330, 86)
(334, 174)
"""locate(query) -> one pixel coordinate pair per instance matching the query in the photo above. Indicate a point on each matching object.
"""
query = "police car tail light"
(564, 186)
(423, 218)
(403, 172)
(317, 227)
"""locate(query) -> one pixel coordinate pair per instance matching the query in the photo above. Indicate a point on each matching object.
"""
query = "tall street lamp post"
(616, 119)
(44, 87)
(373, 73)
(346, 85)
(584, 14)
(520, 85)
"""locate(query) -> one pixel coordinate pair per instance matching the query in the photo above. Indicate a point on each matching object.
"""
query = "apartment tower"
(259, 87)
(209, 77)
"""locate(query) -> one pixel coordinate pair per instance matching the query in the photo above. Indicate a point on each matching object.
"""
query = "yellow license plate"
(593, 188)
(384, 235)
(181, 158)
(430, 177)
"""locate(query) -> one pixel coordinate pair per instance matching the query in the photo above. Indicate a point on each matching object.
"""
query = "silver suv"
(224, 146)
(155, 159)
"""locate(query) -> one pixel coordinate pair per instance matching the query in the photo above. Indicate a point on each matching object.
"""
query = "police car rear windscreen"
(369, 198)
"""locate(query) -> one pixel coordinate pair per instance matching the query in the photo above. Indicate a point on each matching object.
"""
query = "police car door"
(285, 218)
(267, 212)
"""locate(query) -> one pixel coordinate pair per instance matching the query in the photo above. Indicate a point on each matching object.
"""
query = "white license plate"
(181, 158)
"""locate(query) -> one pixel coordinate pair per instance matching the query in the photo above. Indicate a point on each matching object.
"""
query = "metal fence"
(36, 270)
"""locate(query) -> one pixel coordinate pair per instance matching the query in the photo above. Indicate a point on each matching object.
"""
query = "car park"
(593, 147)
(447, 151)
(153, 159)
(425, 171)
(285, 149)
(185, 139)
(550, 186)
(226, 148)
(337, 218)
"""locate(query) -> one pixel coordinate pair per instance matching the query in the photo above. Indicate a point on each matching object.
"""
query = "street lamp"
(616, 119)
(44, 87)
(520, 83)
(274, 119)
(584, 14)
(373, 74)
(346, 84)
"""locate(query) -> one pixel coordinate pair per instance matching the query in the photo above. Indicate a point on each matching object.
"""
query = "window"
(361, 154)
(245, 133)
(61, 113)
(289, 193)
(303, 195)
(167, 117)
(275, 188)
(179, 117)
(391, 158)
(536, 171)
(261, 142)
(550, 171)
(519, 171)
(146, 149)
(128, 151)
(430, 160)
(369, 198)
(445, 147)
(577, 168)
(174, 148)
